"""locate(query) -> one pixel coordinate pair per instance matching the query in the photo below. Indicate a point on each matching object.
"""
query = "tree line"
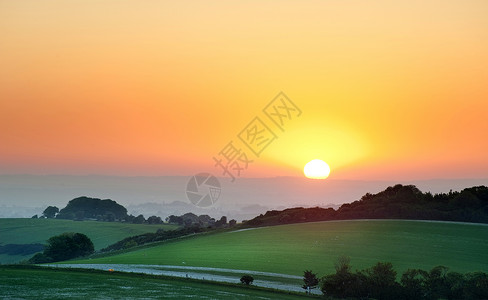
(379, 282)
(395, 202)
(158, 236)
(86, 208)
(191, 224)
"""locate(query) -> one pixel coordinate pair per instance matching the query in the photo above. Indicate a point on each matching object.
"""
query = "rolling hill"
(37, 231)
(291, 249)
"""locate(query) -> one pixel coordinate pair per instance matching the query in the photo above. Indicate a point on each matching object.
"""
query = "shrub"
(64, 246)
(247, 279)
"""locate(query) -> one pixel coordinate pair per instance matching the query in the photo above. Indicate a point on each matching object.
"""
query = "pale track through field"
(196, 273)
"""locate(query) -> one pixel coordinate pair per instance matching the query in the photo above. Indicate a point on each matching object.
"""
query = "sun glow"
(316, 169)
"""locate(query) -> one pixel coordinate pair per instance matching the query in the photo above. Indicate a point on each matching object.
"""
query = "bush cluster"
(63, 247)
(379, 282)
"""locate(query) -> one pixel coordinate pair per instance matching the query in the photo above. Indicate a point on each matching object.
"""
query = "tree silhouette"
(247, 279)
(64, 246)
(310, 281)
(50, 212)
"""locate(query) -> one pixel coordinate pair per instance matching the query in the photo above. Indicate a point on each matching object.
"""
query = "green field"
(28, 231)
(26, 283)
(290, 249)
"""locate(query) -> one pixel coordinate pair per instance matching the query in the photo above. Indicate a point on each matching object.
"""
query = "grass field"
(26, 283)
(27, 231)
(291, 249)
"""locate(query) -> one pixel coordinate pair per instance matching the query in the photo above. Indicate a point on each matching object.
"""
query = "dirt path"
(196, 272)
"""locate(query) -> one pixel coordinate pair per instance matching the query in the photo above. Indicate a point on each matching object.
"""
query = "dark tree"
(413, 283)
(109, 217)
(34, 217)
(455, 281)
(310, 281)
(247, 279)
(436, 283)
(129, 218)
(188, 222)
(139, 219)
(64, 246)
(175, 220)
(130, 244)
(343, 264)
(343, 283)
(232, 223)
(476, 285)
(50, 212)
(79, 215)
(222, 222)
(93, 208)
(68, 245)
(154, 220)
(381, 281)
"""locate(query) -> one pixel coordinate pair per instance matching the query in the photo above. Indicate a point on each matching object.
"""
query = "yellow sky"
(387, 89)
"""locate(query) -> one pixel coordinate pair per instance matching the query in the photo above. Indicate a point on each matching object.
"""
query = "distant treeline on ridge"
(397, 202)
(86, 208)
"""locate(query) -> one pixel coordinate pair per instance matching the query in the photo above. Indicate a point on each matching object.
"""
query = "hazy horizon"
(246, 197)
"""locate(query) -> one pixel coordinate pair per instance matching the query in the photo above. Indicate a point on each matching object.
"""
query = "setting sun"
(316, 169)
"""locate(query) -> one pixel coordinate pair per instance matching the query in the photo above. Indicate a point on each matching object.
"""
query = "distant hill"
(396, 202)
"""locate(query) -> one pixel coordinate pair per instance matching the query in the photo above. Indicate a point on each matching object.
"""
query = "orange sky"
(387, 89)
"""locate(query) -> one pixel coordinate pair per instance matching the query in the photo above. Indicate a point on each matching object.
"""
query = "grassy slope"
(57, 284)
(27, 231)
(290, 249)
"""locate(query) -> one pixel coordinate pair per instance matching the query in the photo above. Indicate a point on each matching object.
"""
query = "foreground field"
(20, 283)
(291, 249)
(29, 231)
